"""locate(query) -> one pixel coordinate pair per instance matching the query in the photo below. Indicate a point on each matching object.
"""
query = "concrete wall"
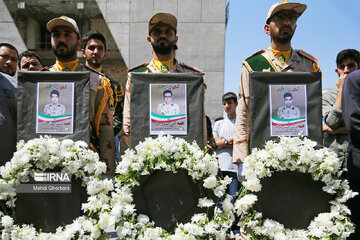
(9, 31)
(201, 31)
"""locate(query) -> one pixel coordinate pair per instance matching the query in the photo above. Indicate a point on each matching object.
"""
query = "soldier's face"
(8, 60)
(288, 101)
(162, 38)
(30, 64)
(54, 98)
(94, 53)
(64, 43)
(282, 26)
(167, 98)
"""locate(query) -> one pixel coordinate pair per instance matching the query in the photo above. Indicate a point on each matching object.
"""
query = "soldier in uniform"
(65, 41)
(93, 48)
(279, 57)
(288, 111)
(162, 37)
(54, 108)
(168, 108)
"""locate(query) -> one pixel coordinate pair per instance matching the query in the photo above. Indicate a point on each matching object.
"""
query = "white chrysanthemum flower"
(252, 185)
(205, 202)
(210, 182)
(7, 221)
(106, 220)
(243, 204)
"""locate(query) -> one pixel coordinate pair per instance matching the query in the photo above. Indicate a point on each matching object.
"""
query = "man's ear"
(267, 29)
(176, 39)
(148, 38)
(336, 70)
(83, 52)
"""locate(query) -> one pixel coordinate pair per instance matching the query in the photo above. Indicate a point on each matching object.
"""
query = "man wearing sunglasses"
(279, 57)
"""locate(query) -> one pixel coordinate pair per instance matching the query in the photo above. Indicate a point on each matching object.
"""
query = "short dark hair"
(28, 53)
(8, 45)
(92, 35)
(348, 53)
(55, 92)
(229, 96)
(167, 91)
(287, 94)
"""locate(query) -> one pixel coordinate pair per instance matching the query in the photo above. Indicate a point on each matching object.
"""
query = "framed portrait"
(168, 109)
(53, 103)
(55, 107)
(168, 104)
(284, 104)
(288, 110)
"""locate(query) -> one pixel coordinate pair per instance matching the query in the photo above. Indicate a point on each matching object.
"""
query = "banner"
(284, 104)
(167, 103)
(53, 103)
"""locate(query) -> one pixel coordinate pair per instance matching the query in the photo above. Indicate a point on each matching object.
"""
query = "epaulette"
(46, 68)
(137, 67)
(93, 70)
(259, 52)
(192, 68)
(308, 56)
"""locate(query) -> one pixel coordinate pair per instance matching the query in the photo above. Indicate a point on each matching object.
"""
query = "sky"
(324, 29)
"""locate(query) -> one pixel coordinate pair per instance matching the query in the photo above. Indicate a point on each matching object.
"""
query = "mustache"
(160, 39)
(61, 44)
(286, 27)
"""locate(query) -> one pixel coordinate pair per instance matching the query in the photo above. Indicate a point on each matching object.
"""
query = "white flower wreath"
(295, 154)
(74, 158)
(170, 154)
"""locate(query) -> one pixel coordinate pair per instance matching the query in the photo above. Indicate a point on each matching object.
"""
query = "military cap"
(165, 18)
(299, 8)
(62, 21)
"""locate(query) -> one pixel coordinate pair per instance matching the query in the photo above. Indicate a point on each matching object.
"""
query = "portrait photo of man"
(288, 111)
(54, 108)
(168, 108)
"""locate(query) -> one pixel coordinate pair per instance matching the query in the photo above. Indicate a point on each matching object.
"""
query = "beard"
(93, 64)
(285, 37)
(161, 48)
(64, 54)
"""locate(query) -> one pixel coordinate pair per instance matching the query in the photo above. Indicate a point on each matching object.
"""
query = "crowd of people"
(230, 136)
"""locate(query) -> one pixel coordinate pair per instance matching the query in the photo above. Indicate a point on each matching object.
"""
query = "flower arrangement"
(40, 154)
(295, 154)
(170, 154)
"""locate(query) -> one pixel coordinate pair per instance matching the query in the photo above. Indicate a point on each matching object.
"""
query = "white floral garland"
(40, 154)
(295, 154)
(170, 154)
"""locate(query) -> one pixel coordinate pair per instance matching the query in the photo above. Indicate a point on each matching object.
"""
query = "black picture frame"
(260, 128)
(139, 105)
(27, 104)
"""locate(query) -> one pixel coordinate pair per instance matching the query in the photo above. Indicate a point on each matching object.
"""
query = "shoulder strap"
(141, 68)
(91, 69)
(191, 68)
(45, 69)
(308, 56)
(258, 62)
